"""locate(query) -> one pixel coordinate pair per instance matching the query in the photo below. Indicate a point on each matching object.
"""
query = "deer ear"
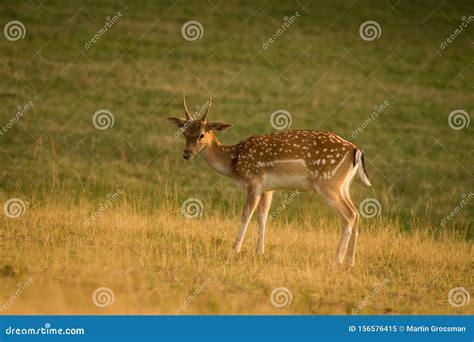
(217, 126)
(176, 121)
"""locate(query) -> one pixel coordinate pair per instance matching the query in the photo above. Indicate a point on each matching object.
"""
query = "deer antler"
(186, 111)
(207, 110)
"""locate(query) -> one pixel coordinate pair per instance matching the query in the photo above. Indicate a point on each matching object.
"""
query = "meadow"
(101, 207)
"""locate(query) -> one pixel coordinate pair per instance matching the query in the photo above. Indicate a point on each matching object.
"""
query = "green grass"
(139, 67)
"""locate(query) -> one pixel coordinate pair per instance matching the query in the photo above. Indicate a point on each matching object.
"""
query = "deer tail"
(359, 160)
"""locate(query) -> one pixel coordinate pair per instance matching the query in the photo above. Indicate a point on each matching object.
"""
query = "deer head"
(199, 134)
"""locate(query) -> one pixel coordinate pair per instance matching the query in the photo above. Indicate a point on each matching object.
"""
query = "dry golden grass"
(153, 262)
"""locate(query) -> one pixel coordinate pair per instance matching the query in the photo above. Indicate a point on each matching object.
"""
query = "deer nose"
(187, 155)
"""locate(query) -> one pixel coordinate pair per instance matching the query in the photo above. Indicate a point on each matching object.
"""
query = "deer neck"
(219, 157)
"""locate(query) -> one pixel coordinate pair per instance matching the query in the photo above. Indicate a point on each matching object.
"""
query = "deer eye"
(201, 136)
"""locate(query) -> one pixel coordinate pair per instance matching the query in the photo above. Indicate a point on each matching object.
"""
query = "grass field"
(102, 208)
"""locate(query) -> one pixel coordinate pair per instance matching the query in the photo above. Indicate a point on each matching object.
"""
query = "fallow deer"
(305, 160)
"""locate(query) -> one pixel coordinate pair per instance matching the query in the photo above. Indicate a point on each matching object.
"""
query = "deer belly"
(286, 182)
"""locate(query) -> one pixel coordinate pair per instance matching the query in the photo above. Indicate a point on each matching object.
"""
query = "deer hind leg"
(262, 214)
(355, 230)
(336, 200)
(253, 196)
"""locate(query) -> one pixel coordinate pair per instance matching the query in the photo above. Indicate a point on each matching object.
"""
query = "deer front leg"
(263, 208)
(253, 196)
